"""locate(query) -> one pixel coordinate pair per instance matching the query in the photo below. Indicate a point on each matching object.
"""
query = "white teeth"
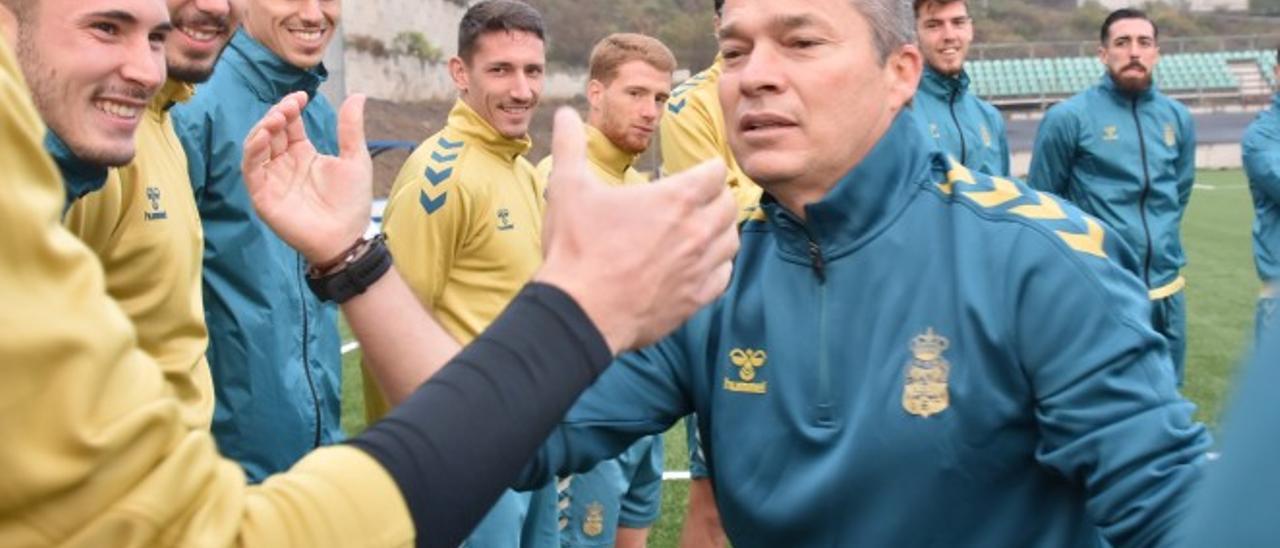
(310, 35)
(117, 109)
(200, 35)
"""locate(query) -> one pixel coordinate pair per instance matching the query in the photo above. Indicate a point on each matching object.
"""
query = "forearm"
(702, 526)
(461, 438)
(403, 345)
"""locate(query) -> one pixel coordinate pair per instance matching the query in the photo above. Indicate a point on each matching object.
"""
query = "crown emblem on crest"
(928, 346)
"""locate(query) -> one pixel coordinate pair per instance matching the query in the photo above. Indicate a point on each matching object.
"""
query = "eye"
(106, 27)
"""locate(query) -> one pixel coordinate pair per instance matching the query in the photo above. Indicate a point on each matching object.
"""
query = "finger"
(291, 109)
(715, 284)
(569, 148)
(702, 183)
(257, 152)
(351, 140)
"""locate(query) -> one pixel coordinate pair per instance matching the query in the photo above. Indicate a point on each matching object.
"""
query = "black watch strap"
(366, 265)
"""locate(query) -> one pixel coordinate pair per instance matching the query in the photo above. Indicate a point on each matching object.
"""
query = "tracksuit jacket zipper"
(959, 131)
(1146, 189)
(306, 357)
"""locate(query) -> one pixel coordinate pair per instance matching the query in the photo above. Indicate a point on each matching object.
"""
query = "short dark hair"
(1126, 13)
(719, 7)
(917, 4)
(494, 16)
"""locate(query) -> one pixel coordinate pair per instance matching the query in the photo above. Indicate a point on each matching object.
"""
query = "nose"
(522, 90)
(143, 66)
(310, 11)
(217, 8)
(761, 72)
(649, 110)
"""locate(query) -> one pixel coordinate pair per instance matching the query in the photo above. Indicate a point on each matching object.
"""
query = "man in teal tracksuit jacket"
(1127, 156)
(1261, 147)
(909, 353)
(964, 126)
(913, 367)
(273, 347)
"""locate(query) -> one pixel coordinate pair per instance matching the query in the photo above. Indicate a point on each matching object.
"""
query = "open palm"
(317, 204)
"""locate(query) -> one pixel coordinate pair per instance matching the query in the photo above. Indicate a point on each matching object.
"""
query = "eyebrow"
(780, 22)
(126, 18)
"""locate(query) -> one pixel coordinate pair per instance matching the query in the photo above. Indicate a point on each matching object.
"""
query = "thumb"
(351, 141)
(569, 148)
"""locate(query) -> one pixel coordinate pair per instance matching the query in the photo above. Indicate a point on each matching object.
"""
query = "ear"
(458, 71)
(595, 93)
(1102, 54)
(902, 70)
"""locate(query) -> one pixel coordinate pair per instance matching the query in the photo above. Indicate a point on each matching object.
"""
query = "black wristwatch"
(363, 264)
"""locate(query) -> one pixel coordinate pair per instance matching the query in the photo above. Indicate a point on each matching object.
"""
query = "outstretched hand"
(317, 204)
(639, 259)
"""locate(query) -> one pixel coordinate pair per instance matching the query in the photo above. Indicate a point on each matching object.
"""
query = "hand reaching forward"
(639, 259)
(317, 204)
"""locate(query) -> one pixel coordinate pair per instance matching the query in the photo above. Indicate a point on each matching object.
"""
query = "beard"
(1130, 83)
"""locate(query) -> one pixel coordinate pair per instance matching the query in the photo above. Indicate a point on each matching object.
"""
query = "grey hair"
(892, 22)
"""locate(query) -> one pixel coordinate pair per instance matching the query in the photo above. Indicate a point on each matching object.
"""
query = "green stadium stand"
(1059, 77)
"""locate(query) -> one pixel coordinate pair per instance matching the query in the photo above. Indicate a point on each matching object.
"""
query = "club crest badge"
(934, 131)
(1110, 133)
(593, 525)
(986, 136)
(1170, 138)
(926, 392)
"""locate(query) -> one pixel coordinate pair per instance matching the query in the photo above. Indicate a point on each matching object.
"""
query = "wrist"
(363, 264)
(618, 336)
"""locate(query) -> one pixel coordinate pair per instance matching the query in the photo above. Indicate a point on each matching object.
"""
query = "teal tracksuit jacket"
(1130, 161)
(273, 347)
(1236, 504)
(1261, 147)
(964, 126)
(932, 358)
(78, 177)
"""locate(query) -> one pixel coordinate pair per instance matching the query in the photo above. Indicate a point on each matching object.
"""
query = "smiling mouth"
(309, 35)
(515, 110)
(202, 34)
(118, 109)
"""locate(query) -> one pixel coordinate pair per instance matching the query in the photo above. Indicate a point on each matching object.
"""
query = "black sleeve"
(461, 439)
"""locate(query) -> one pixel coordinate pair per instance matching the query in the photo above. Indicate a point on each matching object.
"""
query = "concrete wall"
(404, 78)
(1195, 5)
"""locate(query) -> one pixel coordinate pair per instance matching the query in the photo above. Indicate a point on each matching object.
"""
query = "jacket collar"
(78, 176)
(1275, 104)
(606, 155)
(269, 76)
(940, 85)
(1109, 85)
(172, 93)
(476, 129)
(867, 198)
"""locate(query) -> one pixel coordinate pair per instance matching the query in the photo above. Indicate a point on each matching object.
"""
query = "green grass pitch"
(1221, 291)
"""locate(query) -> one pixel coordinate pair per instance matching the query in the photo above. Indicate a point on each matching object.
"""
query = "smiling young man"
(1124, 152)
(143, 224)
(273, 346)
(858, 384)
(92, 68)
(966, 127)
(464, 217)
(615, 503)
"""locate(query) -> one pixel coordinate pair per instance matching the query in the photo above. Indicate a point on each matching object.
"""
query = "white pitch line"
(349, 347)
(1199, 186)
(676, 475)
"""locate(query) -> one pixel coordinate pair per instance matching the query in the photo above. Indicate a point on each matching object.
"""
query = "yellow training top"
(96, 453)
(692, 131)
(464, 224)
(145, 229)
(610, 163)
